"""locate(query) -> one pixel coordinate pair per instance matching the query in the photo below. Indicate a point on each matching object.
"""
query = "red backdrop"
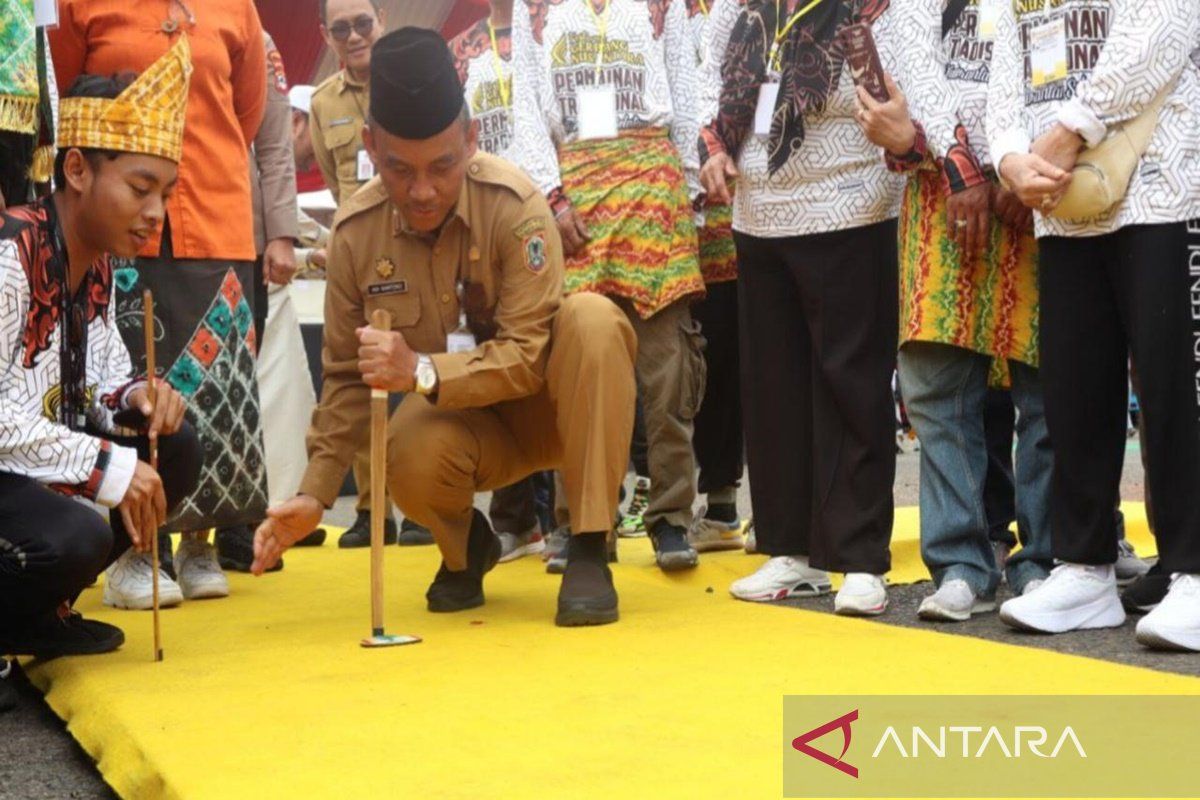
(294, 27)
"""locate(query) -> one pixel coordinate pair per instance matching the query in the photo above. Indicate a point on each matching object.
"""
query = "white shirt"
(648, 54)
(1121, 55)
(487, 82)
(836, 179)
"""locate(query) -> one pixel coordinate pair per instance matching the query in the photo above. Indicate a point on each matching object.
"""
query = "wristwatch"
(426, 375)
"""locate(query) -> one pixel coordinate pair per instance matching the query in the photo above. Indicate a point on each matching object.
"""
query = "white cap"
(301, 98)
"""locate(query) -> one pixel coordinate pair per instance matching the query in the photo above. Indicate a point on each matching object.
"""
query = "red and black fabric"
(811, 57)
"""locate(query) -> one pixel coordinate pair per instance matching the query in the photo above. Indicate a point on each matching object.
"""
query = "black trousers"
(718, 441)
(53, 547)
(999, 486)
(1132, 292)
(819, 325)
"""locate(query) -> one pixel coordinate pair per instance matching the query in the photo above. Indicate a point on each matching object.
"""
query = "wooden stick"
(148, 328)
(381, 320)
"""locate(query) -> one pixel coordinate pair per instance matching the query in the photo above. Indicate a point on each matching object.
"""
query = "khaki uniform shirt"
(339, 111)
(499, 247)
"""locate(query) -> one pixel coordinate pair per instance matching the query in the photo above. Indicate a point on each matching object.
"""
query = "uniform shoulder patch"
(534, 248)
(275, 67)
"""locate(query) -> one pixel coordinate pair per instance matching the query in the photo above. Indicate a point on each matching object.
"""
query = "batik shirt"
(836, 179)
(35, 437)
(487, 81)
(648, 54)
(1120, 56)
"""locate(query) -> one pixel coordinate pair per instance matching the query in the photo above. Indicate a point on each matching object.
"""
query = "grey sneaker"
(672, 552)
(516, 545)
(954, 601)
(709, 535)
(1129, 567)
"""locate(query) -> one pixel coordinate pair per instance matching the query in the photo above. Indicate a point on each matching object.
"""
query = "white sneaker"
(862, 595)
(1032, 586)
(711, 535)
(779, 578)
(1074, 597)
(200, 576)
(129, 583)
(751, 539)
(1175, 623)
(516, 545)
(1128, 567)
(954, 601)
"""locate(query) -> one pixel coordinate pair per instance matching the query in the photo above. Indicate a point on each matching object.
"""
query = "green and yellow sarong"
(631, 194)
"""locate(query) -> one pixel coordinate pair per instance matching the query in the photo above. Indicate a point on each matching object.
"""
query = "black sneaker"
(359, 534)
(1145, 593)
(235, 549)
(314, 539)
(61, 633)
(458, 591)
(8, 695)
(672, 552)
(413, 533)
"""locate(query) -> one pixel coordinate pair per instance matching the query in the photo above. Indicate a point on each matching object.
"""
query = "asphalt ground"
(40, 761)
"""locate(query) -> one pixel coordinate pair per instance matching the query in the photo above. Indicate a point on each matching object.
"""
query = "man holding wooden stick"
(503, 375)
(74, 423)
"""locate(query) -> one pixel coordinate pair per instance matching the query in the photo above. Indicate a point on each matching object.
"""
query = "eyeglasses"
(362, 25)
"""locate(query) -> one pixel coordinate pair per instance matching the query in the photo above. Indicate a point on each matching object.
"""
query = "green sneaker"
(632, 524)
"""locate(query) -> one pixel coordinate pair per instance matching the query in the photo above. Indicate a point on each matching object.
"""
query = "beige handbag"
(1102, 173)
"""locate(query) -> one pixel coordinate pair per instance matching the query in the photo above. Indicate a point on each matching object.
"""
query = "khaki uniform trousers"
(580, 423)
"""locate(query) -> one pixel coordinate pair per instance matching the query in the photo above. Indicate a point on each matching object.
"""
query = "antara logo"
(801, 743)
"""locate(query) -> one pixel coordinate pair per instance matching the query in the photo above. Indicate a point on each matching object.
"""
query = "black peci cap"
(415, 91)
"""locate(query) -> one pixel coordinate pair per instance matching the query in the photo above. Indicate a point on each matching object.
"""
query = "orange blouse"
(210, 212)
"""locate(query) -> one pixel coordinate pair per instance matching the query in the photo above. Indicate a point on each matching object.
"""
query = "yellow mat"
(267, 694)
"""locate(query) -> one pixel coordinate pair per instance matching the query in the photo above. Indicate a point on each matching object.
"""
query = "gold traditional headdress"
(145, 118)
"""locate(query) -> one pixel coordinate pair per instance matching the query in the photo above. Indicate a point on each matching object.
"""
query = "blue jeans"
(945, 388)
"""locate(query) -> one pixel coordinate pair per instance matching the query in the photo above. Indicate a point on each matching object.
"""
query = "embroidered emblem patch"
(384, 267)
(535, 252)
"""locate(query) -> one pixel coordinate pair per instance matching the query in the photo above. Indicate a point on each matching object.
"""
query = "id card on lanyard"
(989, 18)
(596, 105)
(1048, 49)
(768, 91)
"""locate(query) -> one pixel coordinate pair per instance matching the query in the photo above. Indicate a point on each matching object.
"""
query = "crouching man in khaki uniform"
(503, 376)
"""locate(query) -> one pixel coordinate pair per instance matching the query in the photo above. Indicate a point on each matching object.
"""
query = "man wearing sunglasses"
(339, 104)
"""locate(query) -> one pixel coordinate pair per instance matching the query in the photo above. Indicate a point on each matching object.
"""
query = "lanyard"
(704, 8)
(780, 35)
(602, 28)
(505, 86)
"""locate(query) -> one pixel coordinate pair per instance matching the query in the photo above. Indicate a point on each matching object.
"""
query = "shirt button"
(445, 298)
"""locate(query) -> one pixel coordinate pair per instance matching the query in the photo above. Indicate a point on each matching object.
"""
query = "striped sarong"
(630, 193)
(718, 256)
(989, 306)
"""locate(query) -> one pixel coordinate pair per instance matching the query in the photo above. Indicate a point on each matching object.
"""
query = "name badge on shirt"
(366, 169)
(597, 112)
(768, 93)
(989, 17)
(45, 13)
(461, 341)
(1048, 52)
(391, 287)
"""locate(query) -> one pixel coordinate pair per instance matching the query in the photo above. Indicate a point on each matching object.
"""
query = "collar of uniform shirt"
(348, 82)
(400, 224)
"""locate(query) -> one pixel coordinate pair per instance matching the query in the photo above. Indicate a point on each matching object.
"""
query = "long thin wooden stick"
(381, 320)
(151, 377)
